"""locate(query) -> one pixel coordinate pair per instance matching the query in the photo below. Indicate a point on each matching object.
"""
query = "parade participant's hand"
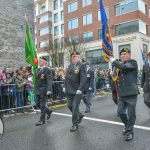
(90, 88)
(112, 59)
(49, 92)
(111, 72)
(64, 90)
(78, 92)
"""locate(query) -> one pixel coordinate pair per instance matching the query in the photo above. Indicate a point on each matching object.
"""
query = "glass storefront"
(95, 58)
(128, 27)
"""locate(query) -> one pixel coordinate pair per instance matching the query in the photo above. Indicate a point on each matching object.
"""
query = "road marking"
(104, 121)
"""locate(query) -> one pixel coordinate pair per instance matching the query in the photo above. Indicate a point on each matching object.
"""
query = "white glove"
(64, 90)
(49, 92)
(112, 59)
(111, 72)
(90, 88)
(78, 92)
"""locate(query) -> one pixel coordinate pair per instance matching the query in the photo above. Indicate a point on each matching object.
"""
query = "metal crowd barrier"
(8, 96)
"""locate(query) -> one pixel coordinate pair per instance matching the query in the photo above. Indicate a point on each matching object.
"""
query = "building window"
(145, 48)
(99, 34)
(56, 30)
(61, 3)
(129, 5)
(73, 39)
(62, 16)
(87, 19)
(72, 6)
(44, 44)
(42, 9)
(86, 2)
(56, 18)
(62, 29)
(107, 13)
(72, 24)
(124, 46)
(88, 36)
(44, 19)
(55, 4)
(44, 31)
(127, 27)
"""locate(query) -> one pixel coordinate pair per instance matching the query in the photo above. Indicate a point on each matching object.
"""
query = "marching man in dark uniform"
(145, 81)
(127, 90)
(43, 89)
(88, 88)
(74, 84)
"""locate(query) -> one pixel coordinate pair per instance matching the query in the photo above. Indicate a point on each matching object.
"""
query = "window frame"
(71, 23)
(69, 9)
(86, 22)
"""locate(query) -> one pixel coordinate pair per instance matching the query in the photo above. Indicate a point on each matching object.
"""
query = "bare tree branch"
(72, 44)
(54, 48)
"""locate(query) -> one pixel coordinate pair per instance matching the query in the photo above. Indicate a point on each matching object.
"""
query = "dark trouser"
(127, 103)
(73, 105)
(41, 103)
(87, 98)
(20, 99)
(5, 102)
(114, 97)
(147, 99)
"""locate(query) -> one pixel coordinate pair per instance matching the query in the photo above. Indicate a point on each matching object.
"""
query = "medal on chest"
(76, 70)
(42, 76)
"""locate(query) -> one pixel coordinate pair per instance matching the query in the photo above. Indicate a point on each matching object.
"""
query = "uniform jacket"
(145, 79)
(44, 81)
(127, 82)
(75, 78)
(89, 79)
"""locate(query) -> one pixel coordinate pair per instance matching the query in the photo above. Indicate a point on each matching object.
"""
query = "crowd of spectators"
(16, 86)
(102, 78)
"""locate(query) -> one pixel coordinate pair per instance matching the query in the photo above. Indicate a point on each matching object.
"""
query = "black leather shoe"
(40, 123)
(73, 128)
(87, 109)
(49, 115)
(124, 132)
(80, 119)
(129, 137)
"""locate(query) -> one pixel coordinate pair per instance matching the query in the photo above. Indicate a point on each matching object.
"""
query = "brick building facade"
(129, 22)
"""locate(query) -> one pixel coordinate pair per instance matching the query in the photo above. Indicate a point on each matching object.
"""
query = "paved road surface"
(96, 132)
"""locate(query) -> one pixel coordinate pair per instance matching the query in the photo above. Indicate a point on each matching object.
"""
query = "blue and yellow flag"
(144, 58)
(106, 37)
(106, 40)
(115, 73)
